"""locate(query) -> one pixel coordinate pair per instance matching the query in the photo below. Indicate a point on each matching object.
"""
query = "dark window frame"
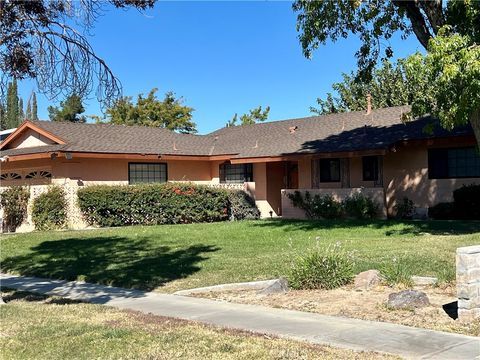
(326, 177)
(368, 161)
(147, 163)
(247, 171)
(439, 159)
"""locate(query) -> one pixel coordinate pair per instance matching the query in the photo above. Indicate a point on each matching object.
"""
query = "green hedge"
(49, 209)
(169, 203)
(14, 202)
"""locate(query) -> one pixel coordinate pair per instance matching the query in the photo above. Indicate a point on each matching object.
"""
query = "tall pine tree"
(12, 105)
(21, 114)
(3, 117)
(28, 113)
(34, 115)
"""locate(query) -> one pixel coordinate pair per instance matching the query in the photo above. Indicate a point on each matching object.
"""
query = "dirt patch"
(367, 305)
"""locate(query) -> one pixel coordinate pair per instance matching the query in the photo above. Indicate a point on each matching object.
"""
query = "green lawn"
(39, 327)
(173, 257)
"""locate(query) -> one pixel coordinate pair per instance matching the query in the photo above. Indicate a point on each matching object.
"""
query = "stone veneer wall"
(468, 282)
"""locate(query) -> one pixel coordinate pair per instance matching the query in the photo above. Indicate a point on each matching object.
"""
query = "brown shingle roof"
(330, 133)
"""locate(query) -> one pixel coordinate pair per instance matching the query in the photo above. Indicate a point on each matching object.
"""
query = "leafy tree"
(69, 110)
(391, 85)
(47, 41)
(253, 116)
(168, 113)
(12, 105)
(448, 30)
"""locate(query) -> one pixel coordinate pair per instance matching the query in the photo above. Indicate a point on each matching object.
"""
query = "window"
(147, 173)
(329, 170)
(370, 168)
(235, 173)
(453, 163)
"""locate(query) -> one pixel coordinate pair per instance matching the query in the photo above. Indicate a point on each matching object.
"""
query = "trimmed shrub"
(328, 269)
(360, 206)
(152, 204)
(443, 211)
(49, 209)
(405, 209)
(14, 202)
(467, 202)
(317, 207)
(241, 206)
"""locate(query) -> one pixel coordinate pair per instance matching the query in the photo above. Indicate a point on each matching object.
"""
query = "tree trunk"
(475, 122)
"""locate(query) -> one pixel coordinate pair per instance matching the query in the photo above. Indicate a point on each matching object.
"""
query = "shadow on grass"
(114, 260)
(391, 227)
(26, 296)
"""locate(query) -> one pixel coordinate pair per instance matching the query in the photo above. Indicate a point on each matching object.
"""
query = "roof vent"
(292, 129)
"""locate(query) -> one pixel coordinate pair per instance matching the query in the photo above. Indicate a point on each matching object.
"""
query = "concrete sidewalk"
(340, 332)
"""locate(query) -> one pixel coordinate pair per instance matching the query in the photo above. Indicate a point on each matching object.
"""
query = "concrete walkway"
(340, 332)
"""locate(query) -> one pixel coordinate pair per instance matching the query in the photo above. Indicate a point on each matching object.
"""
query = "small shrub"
(328, 269)
(242, 206)
(49, 209)
(360, 206)
(405, 209)
(317, 207)
(443, 211)
(467, 202)
(152, 204)
(14, 202)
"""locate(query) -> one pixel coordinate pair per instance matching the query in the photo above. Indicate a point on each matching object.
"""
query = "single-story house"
(374, 153)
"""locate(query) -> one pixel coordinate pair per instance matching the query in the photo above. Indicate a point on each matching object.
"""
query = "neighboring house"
(338, 154)
(4, 133)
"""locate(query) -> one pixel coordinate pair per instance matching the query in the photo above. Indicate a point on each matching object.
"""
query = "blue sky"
(222, 57)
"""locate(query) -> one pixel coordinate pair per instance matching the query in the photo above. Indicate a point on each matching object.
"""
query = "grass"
(173, 257)
(40, 327)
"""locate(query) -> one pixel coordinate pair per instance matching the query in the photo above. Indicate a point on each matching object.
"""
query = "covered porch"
(338, 174)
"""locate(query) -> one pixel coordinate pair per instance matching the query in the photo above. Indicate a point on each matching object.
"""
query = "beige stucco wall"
(406, 174)
(29, 138)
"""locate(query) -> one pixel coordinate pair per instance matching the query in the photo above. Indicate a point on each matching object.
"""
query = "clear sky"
(222, 57)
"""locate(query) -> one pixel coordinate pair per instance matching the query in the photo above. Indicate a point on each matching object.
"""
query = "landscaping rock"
(408, 299)
(279, 286)
(424, 280)
(367, 280)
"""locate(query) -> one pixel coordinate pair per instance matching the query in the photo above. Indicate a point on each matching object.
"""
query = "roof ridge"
(331, 115)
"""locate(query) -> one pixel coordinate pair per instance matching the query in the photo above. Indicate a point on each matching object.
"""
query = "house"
(374, 153)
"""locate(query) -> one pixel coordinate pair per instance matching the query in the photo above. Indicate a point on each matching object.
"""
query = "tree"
(253, 116)
(28, 112)
(34, 115)
(47, 41)
(70, 110)
(21, 114)
(12, 105)
(448, 30)
(390, 85)
(168, 113)
(3, 117)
